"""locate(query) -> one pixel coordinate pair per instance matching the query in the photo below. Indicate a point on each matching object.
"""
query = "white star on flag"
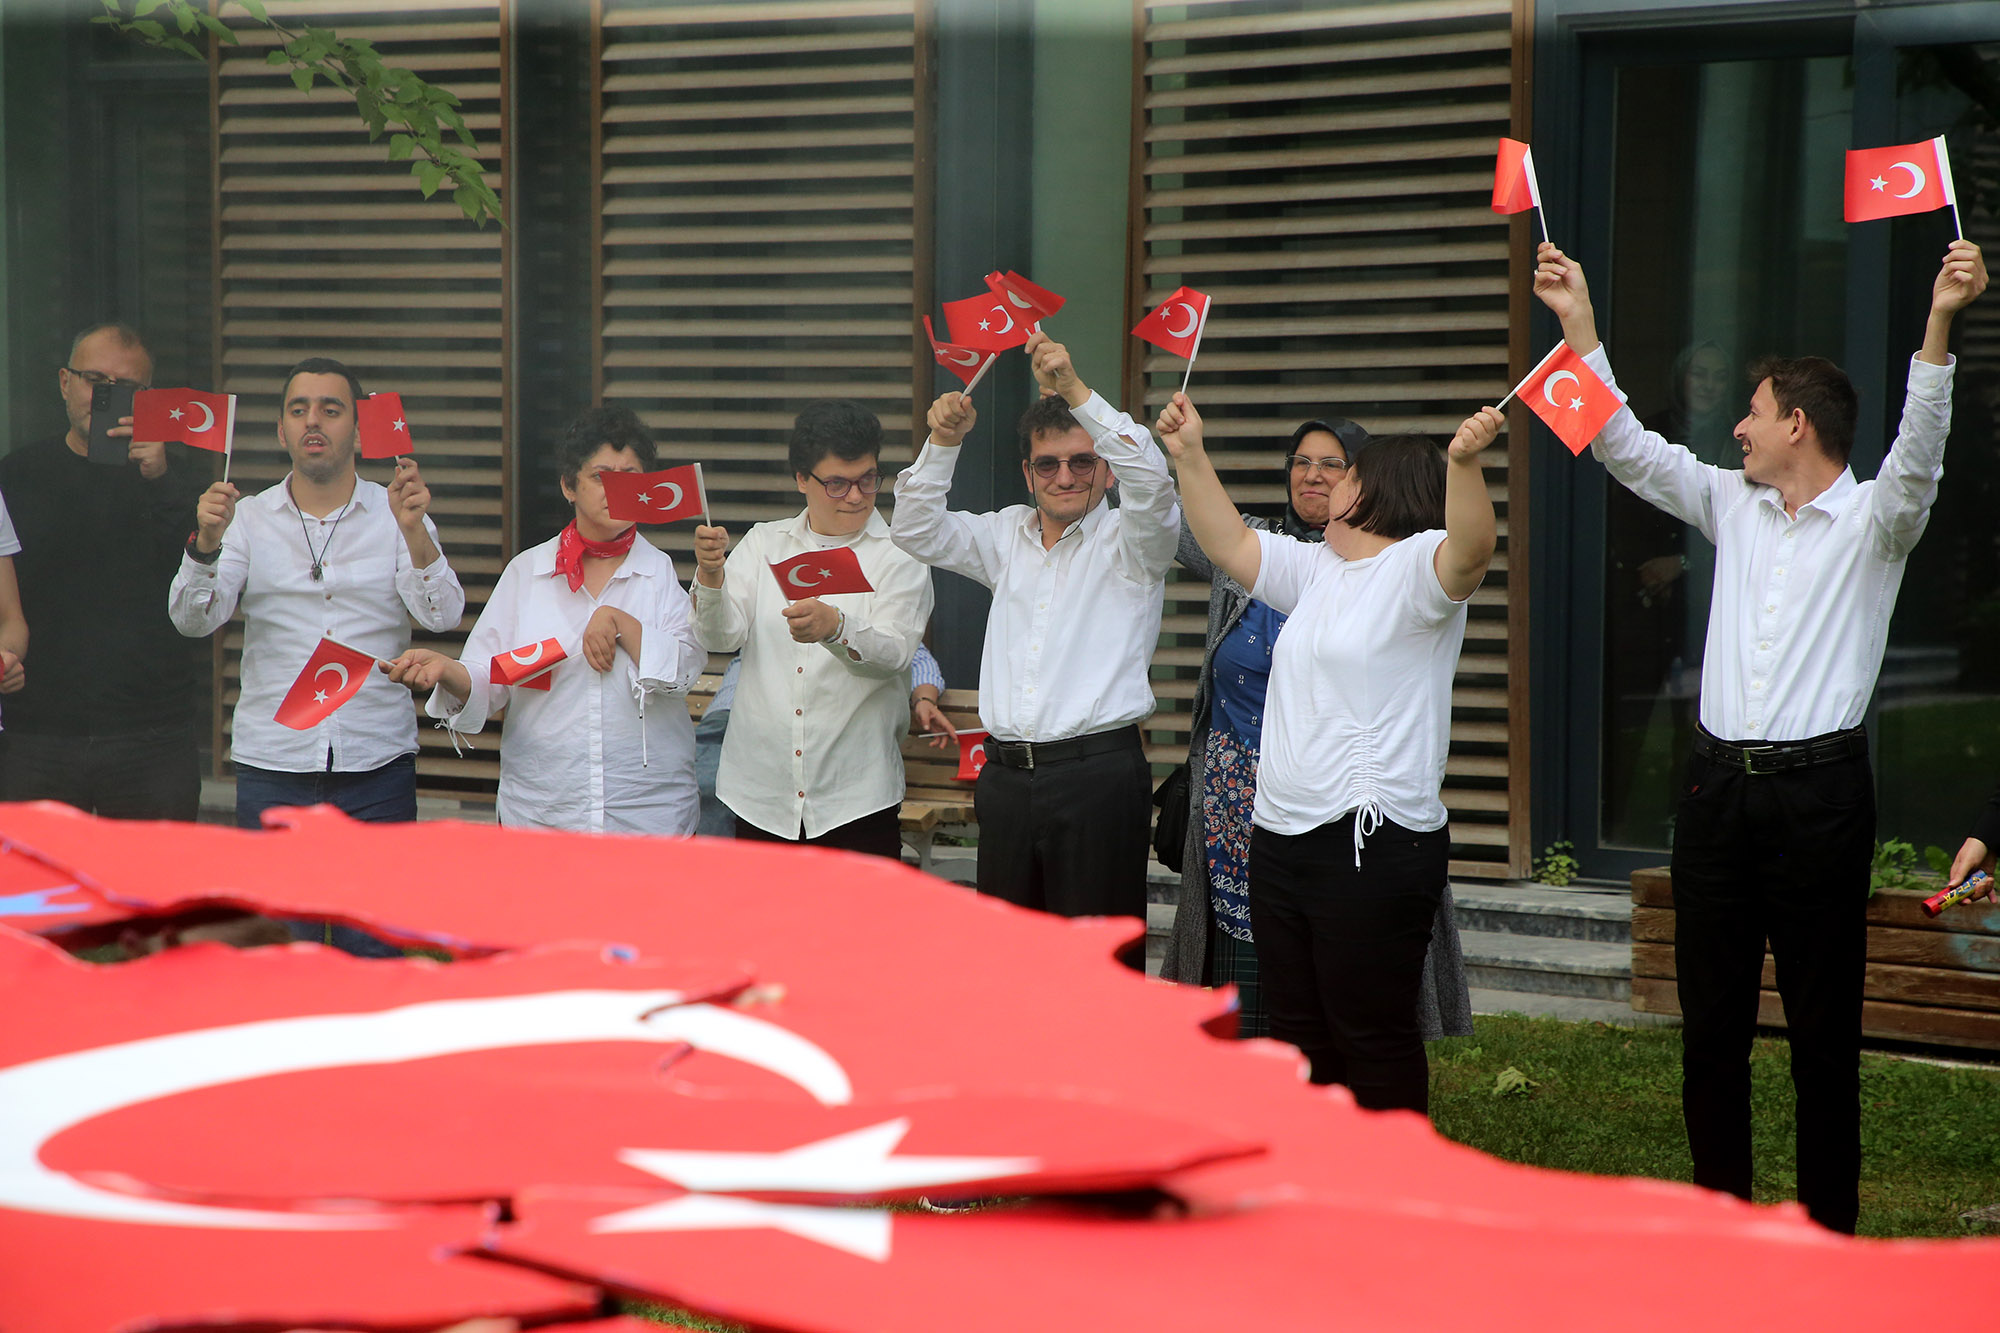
(399, 423)
(319, 697)
(644, 498)
(985, 325)
(864, 1233)
(1878, 183)
(826, 573)
(176, 413)
(1576, 404)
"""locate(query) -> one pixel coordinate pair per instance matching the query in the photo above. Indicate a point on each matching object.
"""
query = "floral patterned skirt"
(1229, 787)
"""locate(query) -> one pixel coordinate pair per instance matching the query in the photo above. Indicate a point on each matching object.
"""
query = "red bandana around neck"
(572, 548)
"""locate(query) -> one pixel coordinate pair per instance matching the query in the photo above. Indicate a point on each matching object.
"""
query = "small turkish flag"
(656, 497)
(385, 431)
(971, 755)
(1514, 186)
(1035, 303)
(1176, 325)
(821, 574)
(1566, 393)
(1902, 178)
(529, 667)
(334, 674)
(203, 420)
(968, 363)
(987, 323)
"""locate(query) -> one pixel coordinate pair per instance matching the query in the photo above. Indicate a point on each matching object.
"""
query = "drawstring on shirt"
(460, 742)
(1367, 818)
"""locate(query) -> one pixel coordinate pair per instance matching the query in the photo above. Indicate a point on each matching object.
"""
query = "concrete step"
(1602, 915)
(1569, 1008)
(1547, 965)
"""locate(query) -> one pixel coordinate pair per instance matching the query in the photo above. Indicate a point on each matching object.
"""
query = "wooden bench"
(933, 799)
(1928, 980)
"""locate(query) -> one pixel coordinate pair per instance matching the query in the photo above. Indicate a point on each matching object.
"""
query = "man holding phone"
(104, 720)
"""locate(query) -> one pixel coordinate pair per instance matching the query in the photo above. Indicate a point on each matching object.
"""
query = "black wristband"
(196, 554)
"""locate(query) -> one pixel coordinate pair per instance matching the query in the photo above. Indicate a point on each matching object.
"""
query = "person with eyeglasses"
(813, 753)
(1064, 801)
(1212, 942)
(105, 720)
(1349, 847)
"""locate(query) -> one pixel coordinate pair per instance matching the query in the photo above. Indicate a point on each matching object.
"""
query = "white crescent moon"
(42, 1098)
(208, 418)
(1193, 320)
(341, 667)
(1549, 385)
(673, 486)
(534, 655)
(1008, 292)
(999, 309)
(971, 358)
(793, 578)
(1917, 179)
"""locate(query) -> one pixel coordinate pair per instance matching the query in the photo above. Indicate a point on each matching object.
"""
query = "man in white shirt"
(322, 554)
(1065, 801)
(813, 753)
(1776, 826)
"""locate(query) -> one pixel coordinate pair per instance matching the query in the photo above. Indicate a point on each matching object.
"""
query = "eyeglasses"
(1300, 463)
(96, 377)
(1080, 465)
(837, 487)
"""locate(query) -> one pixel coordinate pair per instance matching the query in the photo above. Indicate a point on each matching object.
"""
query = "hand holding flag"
(1515, 188)
(821, 574)
(1566, 393)
(333, 674)
(384, 429)
(1900, 179)
(656, 497)
(1176, 326)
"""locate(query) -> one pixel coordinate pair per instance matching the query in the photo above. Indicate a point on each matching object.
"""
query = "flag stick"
(1201, 326)
(1544, 224)
(1530, 375)
(229, 439)
(980, 374)
(1943, 155)
(701, 488)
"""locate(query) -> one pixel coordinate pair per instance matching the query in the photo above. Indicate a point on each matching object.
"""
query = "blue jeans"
(385, 795)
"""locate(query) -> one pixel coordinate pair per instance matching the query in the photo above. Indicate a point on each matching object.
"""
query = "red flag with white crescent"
(333, 674)
(968, 363)
(1566, 393)
(1175, 326)
(971, 755)
(527, 667)
(821, 573)
(195, 418)
(1035, 304)
(655, 497)
(1902, 178)
(384, 428)
(1515, 189)
(987, 323)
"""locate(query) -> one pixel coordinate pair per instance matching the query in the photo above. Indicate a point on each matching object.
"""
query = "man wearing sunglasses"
(1065, 799)
(813, 753)
(105, 719)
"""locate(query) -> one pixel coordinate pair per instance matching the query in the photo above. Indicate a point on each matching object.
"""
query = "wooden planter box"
(1928, 980)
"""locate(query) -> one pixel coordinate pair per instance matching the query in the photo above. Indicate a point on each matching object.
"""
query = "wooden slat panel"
(1320, 171)
(328, 250)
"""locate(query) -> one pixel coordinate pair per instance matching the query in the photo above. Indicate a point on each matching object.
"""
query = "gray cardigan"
(1444, 1007)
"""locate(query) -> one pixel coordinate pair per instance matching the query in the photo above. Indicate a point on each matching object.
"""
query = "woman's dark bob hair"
(1401, 483)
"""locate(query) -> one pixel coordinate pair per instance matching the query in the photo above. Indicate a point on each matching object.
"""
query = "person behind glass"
(813, 753)
(1212, 942)
(608, 747)
(107, 723)
(1065, 802)
(1775, 830)
(322, 554)
(1349, 846)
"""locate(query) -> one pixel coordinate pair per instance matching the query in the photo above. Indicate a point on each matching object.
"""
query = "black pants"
(1782, 857)
(878, 834)
(1340, 951)
(1068, 837)
(152, 774)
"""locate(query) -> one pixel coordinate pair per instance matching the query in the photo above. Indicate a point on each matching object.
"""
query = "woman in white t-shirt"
(1349, 845)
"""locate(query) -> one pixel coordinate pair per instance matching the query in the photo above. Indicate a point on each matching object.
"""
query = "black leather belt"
(1033, 754)
(1783, 756)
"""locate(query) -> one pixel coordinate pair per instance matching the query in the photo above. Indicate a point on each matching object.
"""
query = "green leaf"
(401, 146)
(223, 32)
(149, 28)
(302, 79)
(468, 201)
(1511, 1082)
(185, 18)
(184, 47)
(277, 58)
(1937, 859)
(429, 176)
(255, 9)
(143, 8)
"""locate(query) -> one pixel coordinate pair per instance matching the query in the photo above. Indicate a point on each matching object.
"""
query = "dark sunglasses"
(1080, 465)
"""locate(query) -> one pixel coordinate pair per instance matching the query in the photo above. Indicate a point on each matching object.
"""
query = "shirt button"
(1781, 571)
(798, 754)
(1756, 684)
(1773, 606)
(802, 671)
(798, 712)
(802, 794)
(1766, 645)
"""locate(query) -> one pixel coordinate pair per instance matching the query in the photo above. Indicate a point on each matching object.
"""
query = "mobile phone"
(109, 402)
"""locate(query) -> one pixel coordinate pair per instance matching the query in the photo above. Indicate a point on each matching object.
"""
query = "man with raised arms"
(1776, 825)
(1065, 799)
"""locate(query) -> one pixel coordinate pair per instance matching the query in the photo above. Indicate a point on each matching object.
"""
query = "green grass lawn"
(1607, 1100)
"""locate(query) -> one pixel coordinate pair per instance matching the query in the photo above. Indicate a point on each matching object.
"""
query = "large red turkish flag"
(656, 497)
(384, 427)
(201, 420)
(1902, 178)
(333, 674)
(1566, 393)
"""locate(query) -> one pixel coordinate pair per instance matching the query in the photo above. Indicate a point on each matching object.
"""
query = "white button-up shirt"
(815, 735)
(1800, 616)
(599, 752)
(1072, 628)
(368, 583)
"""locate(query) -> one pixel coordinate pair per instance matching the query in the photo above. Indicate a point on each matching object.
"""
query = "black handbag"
(1170, 829)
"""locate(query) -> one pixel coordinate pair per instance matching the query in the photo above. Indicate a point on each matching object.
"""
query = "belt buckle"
(1750, 753)
(1028, 753)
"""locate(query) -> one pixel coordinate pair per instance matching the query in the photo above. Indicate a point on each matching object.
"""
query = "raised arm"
(1469, 529)
(1959, 282)
(1206, 508)
(203, 595)
(922, 525)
